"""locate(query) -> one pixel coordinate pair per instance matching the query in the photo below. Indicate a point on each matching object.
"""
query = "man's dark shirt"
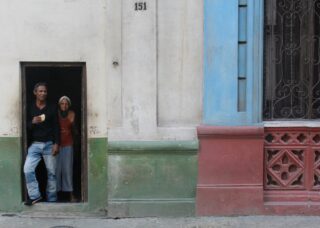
(48, 130)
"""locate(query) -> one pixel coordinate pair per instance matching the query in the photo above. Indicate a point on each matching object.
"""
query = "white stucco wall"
(159, 79)
(51, 31)
(155, 91)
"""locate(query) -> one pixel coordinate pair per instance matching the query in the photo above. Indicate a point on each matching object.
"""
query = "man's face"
(41, 93)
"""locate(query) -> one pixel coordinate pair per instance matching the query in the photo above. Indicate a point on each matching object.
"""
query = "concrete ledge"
(44, 209)
(230, 132)
(292, 208)
(151, 208)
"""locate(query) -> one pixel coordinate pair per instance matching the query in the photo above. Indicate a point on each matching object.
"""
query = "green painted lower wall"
(129, 179)
(97, 176)
(10, 174)
(152, 178)
(11, 180)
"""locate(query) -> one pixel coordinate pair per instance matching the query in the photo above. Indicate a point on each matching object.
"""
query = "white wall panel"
(53, 31)
(180, 62)
(139, 69)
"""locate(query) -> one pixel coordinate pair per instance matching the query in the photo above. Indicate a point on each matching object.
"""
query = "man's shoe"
(30, 202)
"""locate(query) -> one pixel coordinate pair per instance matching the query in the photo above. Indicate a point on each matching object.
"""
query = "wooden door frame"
(84, 137)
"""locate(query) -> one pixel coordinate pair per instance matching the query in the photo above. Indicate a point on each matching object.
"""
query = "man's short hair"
(39, 84)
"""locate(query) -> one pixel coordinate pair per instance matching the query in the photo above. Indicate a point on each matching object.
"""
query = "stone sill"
(287, 123)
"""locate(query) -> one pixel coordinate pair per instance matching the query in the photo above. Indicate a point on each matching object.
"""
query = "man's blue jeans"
(37, 151)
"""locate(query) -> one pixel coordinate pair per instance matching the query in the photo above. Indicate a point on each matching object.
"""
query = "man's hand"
(36, 120)
(55, 149)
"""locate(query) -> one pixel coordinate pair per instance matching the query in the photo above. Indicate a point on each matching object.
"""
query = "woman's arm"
(74, 130)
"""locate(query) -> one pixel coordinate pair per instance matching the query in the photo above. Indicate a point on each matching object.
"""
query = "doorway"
(62, 79)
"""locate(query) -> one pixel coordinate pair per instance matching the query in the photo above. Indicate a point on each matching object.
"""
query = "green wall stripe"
(152, 178)
(97, 177)
(10, 174)
(152, 146)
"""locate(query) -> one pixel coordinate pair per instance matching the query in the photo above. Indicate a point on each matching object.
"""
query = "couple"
(52, 140)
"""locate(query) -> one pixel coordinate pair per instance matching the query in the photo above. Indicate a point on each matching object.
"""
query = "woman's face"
(64, 105)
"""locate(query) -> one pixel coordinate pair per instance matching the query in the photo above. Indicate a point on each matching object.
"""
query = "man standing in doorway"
(43, 125)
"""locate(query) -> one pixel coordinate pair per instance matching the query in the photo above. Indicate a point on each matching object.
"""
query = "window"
(292, 59)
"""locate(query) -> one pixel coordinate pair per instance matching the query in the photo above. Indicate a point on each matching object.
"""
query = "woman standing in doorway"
(64, 172)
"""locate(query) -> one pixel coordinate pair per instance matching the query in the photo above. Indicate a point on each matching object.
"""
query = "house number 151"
(139, 6)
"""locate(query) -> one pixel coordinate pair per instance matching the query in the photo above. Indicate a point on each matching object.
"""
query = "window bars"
(292, 59)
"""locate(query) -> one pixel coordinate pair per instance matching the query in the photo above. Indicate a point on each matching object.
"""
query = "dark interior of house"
(61, 80)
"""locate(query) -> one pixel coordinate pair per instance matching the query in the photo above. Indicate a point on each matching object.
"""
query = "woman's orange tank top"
(65, 131)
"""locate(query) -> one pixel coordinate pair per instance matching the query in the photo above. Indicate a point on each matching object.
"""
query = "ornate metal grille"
(292, 59)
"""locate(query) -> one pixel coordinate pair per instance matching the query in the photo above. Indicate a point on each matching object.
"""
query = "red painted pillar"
(230, 179)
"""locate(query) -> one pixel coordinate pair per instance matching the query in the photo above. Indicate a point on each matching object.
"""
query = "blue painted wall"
(233, 63)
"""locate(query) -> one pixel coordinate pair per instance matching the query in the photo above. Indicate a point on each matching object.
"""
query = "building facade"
(185, 107)
(137, 67)
(259, 142)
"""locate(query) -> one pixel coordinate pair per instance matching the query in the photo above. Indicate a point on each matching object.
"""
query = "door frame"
(84, 137)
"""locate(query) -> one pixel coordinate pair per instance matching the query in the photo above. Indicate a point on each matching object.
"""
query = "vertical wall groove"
(242, 56)
(157, 63)
(121, 40)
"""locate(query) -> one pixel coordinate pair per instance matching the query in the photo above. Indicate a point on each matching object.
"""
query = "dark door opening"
(62, 79)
